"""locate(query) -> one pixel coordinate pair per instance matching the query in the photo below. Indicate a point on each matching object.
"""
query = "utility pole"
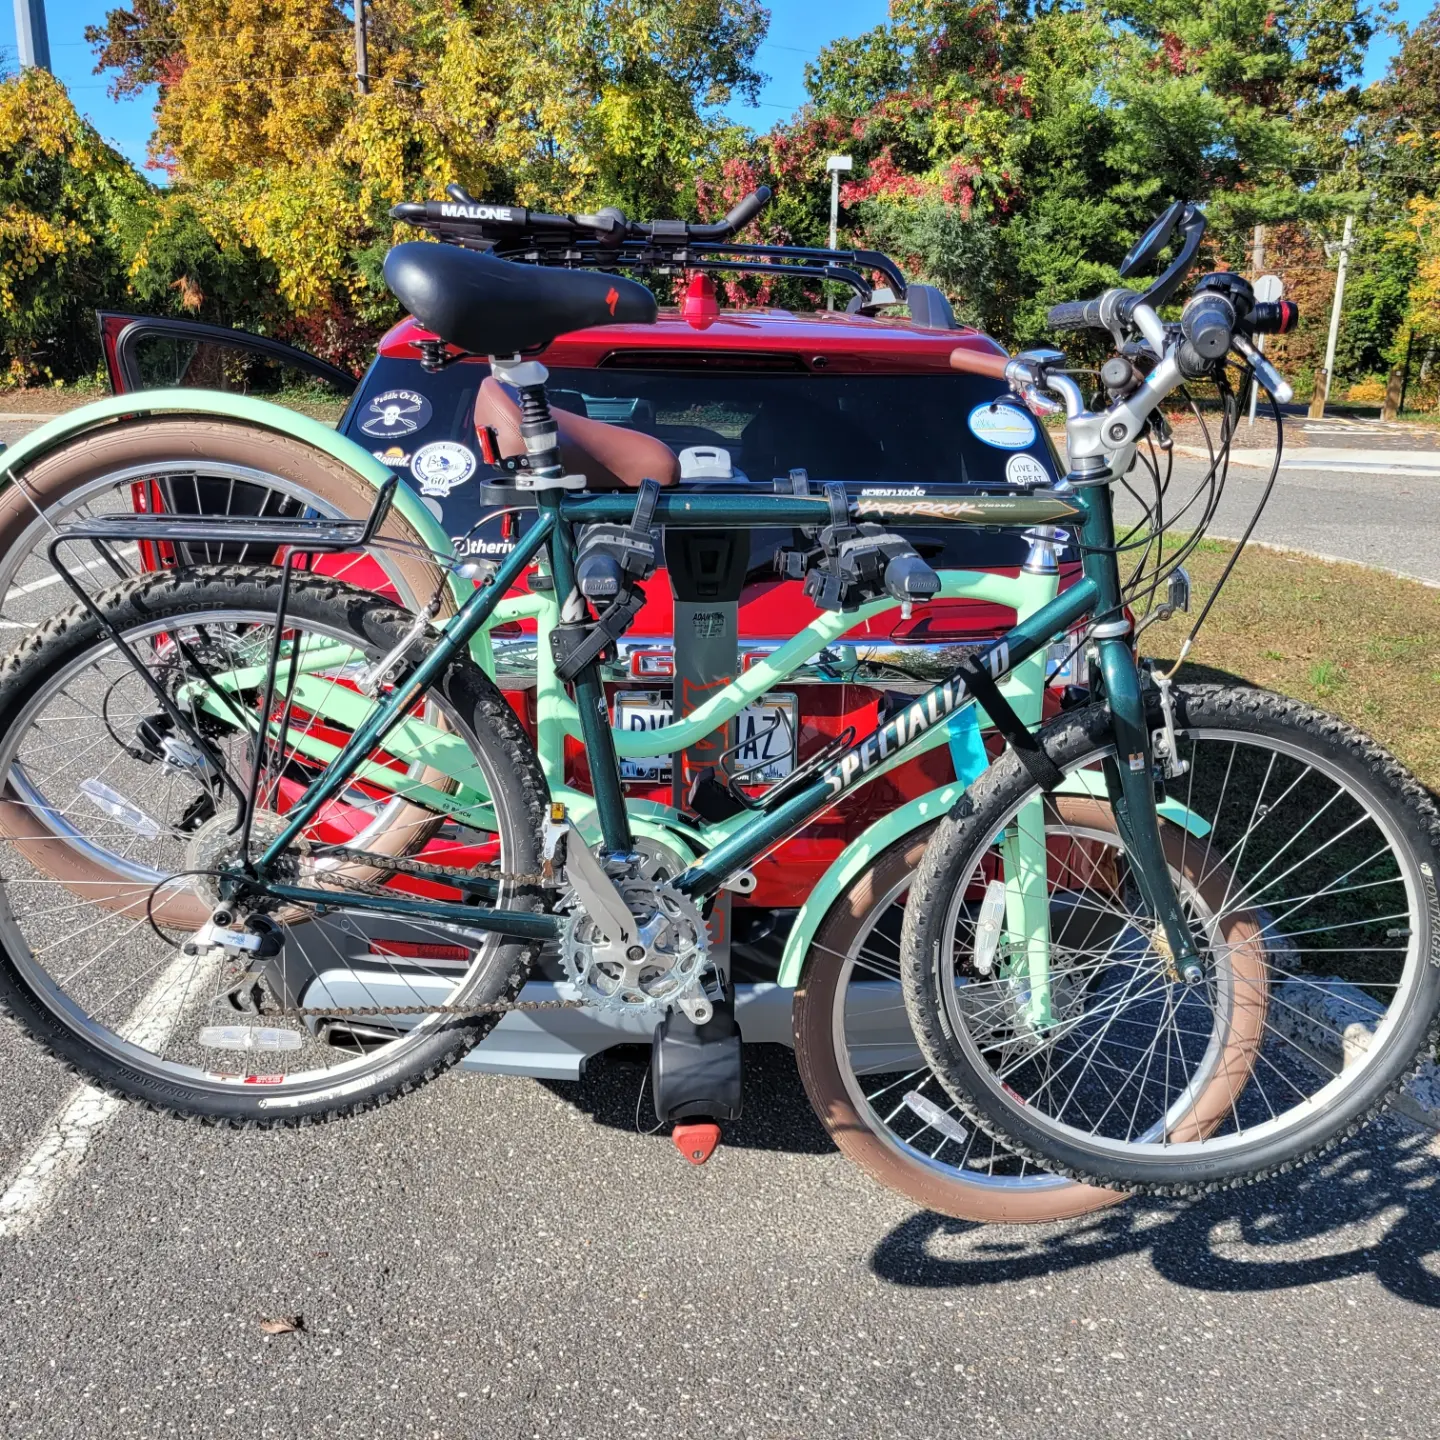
(835, 164)
(31, 37)
(362, 66)
(1322, 380)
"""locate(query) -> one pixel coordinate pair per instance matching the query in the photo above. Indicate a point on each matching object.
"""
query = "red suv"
(865, 398)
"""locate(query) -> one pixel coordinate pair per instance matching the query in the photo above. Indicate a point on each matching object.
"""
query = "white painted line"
(37, 1184)
(32, 586)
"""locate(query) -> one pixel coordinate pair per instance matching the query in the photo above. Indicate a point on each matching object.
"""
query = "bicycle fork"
(1131, 783)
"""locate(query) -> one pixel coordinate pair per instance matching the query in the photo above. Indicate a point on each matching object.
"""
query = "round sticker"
(1026, 470)
(441, 466)
(1002, 426)
(395, 413)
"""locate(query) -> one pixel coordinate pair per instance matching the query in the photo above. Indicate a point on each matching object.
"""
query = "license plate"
(765, 734)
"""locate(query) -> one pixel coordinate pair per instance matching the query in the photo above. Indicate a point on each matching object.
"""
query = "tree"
(552, 103)
(63, 193)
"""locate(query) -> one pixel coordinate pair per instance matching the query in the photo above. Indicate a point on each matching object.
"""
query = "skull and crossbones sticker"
(396, 412)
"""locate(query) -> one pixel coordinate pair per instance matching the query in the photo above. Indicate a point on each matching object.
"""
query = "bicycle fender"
(220, 405)
(918, 813)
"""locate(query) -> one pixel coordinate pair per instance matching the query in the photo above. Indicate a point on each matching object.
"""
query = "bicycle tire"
(45, 490)
(966, 1187)
(1391, 799)
(111, 1061)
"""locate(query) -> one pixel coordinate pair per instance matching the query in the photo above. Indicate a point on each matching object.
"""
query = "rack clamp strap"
(1027, 747)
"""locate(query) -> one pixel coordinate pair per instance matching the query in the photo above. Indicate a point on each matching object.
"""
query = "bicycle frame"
(1097, 593)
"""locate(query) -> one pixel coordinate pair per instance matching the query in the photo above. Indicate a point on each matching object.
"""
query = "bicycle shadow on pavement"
(1369, 1209)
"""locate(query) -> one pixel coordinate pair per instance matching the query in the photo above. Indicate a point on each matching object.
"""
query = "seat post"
(537, 425)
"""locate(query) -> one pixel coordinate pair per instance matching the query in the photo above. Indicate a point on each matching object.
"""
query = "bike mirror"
(1147, 249)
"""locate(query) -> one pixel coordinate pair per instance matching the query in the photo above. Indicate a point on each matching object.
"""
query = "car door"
(149, 352)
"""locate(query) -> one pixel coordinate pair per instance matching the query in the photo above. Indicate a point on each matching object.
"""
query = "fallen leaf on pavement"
(283, 1325)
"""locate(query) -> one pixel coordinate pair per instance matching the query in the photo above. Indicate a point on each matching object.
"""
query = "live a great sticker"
(1025, 470)
(441, 466)
(1002, 426)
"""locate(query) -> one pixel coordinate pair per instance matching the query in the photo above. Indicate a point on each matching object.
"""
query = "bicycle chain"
(418, 869)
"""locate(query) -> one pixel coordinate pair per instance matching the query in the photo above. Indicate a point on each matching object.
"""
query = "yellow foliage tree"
(551, 103)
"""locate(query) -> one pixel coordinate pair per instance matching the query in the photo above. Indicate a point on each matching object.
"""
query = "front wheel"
(871, 1086)
(1087, 1054)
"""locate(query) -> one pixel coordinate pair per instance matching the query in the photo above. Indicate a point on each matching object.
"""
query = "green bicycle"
(1076, 930)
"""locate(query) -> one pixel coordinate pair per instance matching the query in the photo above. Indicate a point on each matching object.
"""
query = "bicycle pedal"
(696, 1142)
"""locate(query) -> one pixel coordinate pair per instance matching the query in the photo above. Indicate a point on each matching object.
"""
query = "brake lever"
(1265, 372)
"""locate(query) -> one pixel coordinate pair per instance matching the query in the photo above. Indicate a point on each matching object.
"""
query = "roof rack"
(609, 241)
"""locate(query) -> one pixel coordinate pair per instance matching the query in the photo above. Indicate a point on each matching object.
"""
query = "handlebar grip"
(1075, 315)
(748, 208)
(1207, 323)
(979, 362)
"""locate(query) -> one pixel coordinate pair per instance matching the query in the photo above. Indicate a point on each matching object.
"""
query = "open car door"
(148, 352)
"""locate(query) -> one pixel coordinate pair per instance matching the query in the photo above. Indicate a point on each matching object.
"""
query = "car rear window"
(864, 430)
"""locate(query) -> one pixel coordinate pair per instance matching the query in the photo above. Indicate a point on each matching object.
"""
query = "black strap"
(645, 502)
(1028, 750)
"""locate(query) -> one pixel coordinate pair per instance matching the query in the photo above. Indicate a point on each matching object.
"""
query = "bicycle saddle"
(609, 457)
(495, 307)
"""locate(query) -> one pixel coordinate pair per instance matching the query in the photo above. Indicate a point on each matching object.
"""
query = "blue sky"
(798, 29)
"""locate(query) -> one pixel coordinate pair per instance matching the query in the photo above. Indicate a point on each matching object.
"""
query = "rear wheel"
(185, 465)
(99, 972)
(872, 1087)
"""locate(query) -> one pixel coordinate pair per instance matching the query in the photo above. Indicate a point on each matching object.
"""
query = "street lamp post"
(835, 164)
(31, 38)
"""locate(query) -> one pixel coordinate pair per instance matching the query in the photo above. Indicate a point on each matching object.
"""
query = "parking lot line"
(36, 1185)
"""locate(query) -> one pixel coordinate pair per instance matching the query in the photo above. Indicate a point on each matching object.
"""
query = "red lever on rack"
(696, 1142)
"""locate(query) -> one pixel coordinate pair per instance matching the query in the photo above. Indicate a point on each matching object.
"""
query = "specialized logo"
(930, 709)
(1002, 426)
(480, 212)
(612, 298)
(1025, 470)
(394, 457)
(395, 413)
(442, 466)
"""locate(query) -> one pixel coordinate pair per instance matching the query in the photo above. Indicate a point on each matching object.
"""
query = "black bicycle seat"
(496, 307)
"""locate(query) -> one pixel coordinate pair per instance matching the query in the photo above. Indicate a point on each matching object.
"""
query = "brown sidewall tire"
(105, 451)
(950, 1194)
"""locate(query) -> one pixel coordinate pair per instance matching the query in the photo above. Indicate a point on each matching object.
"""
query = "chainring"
(671, 968)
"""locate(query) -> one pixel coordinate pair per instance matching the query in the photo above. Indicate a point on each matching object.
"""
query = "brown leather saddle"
(609, 457)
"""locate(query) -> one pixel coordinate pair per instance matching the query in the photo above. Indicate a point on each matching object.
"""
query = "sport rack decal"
(914, 720)
(482, 212)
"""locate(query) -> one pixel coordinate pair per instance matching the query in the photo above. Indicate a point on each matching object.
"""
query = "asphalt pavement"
(504, 1258)
(501, 1257)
